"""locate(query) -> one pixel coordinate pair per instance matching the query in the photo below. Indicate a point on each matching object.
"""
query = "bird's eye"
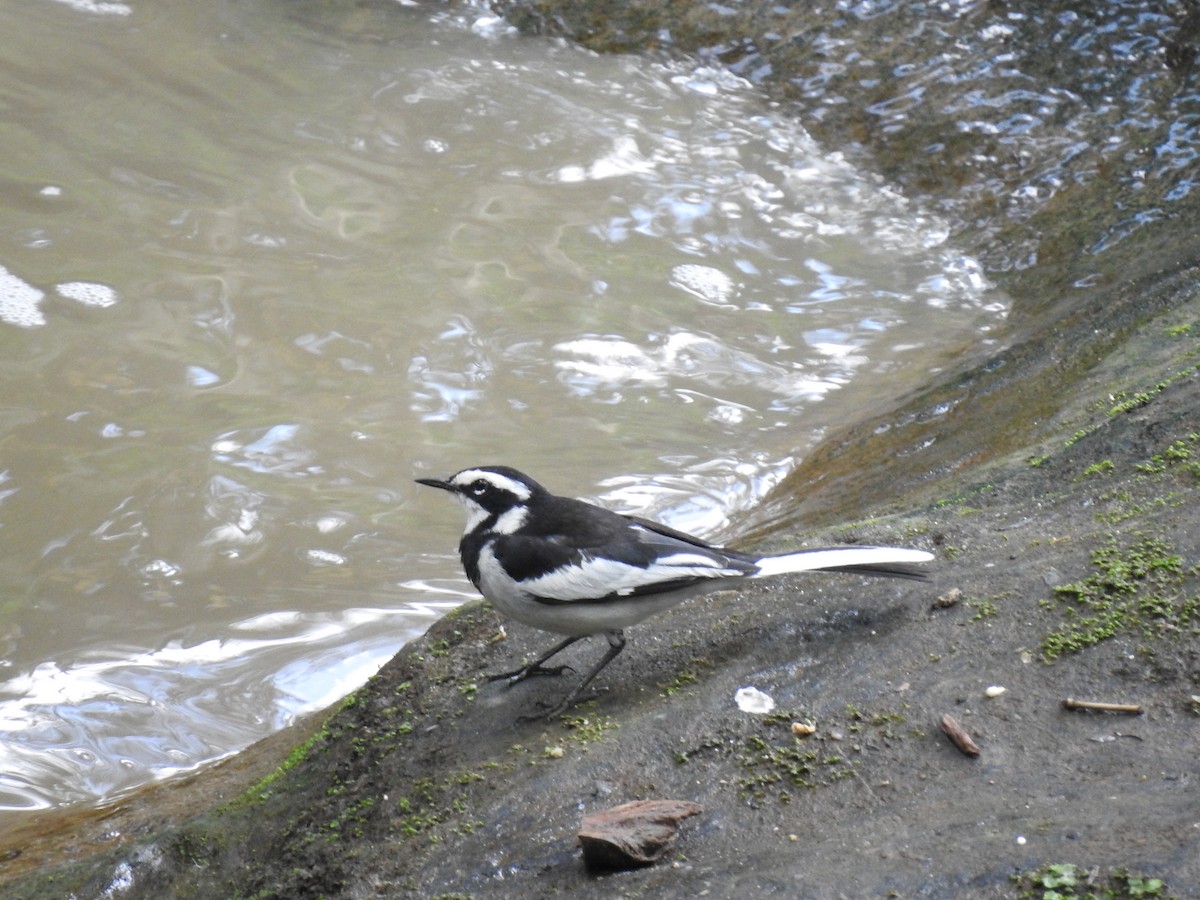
(479, 488)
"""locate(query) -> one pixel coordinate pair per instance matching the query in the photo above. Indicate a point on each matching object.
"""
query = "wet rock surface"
(1055, 475)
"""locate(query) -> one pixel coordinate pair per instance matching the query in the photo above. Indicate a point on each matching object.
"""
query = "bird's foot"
(529, 671)
(571, 700)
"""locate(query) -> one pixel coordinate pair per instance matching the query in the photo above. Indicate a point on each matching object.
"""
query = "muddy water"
(264, 263)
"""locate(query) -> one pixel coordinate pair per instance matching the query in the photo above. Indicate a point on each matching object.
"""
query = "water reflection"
(263, 265)
(1005, 106)
(173, 702)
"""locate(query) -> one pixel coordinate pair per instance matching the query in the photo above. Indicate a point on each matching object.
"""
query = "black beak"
(436, 482)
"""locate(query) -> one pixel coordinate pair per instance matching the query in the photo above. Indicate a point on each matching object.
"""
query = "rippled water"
(1000, 112)
(264, 263)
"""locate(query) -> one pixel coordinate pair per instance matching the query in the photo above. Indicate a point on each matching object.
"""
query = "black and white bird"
(576, 569)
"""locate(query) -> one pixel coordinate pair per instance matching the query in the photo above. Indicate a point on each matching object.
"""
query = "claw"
(555, 711)
(533, 669)
(616, 642)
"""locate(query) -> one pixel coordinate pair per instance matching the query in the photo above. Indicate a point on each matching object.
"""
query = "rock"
(632, 834)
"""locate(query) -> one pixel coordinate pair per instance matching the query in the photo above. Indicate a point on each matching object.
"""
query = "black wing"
(580, 552)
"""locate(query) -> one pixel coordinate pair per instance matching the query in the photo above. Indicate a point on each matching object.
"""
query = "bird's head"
(496, 498)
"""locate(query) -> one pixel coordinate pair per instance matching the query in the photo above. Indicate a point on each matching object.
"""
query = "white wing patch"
(685, 560)
(599, 577)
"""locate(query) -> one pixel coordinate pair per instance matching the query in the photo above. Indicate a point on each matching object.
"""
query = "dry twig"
(1131, 708)
(958, 736)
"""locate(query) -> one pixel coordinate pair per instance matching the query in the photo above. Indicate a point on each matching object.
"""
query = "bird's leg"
(536, 667)
(616, 643)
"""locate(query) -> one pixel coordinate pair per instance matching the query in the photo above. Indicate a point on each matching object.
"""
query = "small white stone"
(995, 691)
(752, 700)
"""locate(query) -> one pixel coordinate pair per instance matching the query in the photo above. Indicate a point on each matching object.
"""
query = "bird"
(579, 570)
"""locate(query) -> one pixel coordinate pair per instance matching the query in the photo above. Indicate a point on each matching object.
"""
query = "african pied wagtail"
(575, 569)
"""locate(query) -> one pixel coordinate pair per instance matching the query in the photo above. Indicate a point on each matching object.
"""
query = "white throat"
(506, 523)
(475, 513)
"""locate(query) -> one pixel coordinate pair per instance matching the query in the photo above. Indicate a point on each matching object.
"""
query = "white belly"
(578, 618)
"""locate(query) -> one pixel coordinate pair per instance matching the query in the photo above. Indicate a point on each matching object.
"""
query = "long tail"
(893, 562)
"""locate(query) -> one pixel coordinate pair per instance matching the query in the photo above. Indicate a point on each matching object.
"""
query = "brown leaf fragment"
(632, 834)
(958, 736)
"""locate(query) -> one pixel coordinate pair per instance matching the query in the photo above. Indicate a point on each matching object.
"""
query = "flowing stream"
(263, 263)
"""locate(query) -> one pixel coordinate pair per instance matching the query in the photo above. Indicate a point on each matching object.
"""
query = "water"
(265, 263)
(1009, 117)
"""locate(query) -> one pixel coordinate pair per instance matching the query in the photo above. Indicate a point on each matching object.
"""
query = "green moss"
(774, 761)
(1063, 881)
(1137, 587)
(429, 804)
(1080, 435)
(960, 498)
(1103, 467)
(586, 729)
(1126, 402)
(1124, 507)
(682, 680)
(350, 822)
(857, 717)
(1138, 582)
(707, 744)
(1179, 456)
(689, 676)
(776, 766)
(261, 790)
(983, 609)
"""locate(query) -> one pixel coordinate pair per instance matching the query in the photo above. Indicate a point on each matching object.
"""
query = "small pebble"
(752, 700)
(950, 598)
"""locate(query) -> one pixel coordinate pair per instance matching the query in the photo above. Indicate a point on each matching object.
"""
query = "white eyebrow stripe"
(503, 482)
